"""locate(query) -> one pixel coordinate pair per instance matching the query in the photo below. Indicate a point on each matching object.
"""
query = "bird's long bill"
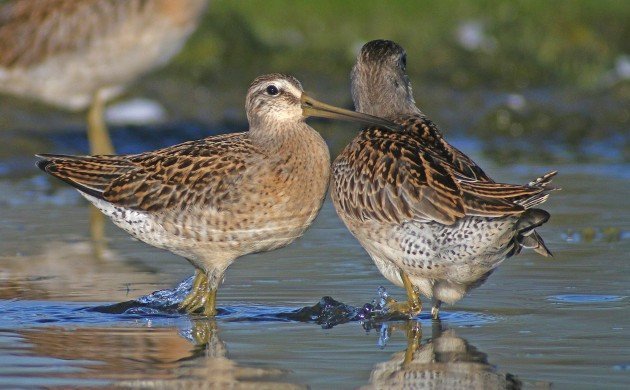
(315, 108)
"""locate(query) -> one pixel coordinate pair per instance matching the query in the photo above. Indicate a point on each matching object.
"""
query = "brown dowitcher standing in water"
(79, 53)
(429, 217)
(219, 198)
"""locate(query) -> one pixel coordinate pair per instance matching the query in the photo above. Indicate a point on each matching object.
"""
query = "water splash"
(383, 336)
(159, 302)
(327, 312)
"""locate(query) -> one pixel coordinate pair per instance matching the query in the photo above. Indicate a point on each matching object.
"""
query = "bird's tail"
(543, 184)
(526, 236)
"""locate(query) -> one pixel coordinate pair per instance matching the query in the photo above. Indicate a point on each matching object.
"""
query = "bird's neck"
(394, 110)
(385, 106)
(282, 138)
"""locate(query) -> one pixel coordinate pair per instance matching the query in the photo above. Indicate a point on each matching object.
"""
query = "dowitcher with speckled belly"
(427, 214)
(219, 198)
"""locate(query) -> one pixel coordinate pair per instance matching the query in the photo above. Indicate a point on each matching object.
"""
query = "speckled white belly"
(438, 258)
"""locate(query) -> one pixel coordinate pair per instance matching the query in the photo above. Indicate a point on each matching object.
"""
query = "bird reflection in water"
(445, 361)
(42, 272)
(145, 357)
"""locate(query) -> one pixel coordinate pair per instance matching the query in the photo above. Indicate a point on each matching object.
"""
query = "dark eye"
(272, 90)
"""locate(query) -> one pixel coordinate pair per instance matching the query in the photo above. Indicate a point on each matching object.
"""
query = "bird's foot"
(412, 309)
(201, 296)
(435, 313)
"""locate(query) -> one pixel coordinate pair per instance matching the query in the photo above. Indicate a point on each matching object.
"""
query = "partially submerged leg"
(98, 136)
(413, 297)
(413, 306)
(202, 296)
(435, 309)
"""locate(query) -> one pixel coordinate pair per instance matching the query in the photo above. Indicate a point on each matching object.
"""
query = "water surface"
(537, 322)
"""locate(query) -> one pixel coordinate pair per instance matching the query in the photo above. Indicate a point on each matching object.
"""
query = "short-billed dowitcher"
(219, 198)
(429, 217)
(79, 53)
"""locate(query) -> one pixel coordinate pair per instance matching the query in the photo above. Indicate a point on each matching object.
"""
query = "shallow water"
(537, 322)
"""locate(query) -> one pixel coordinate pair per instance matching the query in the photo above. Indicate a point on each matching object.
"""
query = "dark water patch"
(585, 298)
(554, 125)
(36, 190)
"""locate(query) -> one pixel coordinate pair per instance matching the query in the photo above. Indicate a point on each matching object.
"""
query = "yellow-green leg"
(435, 309)
(97, 231)
(201, 296)
(98, 136)
(413, 306)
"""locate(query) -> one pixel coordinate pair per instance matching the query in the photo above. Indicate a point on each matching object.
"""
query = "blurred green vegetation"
(533, 80)
(569, 61)
(493, 43)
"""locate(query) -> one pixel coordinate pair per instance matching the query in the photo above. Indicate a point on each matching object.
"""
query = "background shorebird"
(79, 53)
(219, 198)
(429, 217)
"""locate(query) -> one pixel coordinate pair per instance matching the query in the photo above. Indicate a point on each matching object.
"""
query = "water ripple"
(585, 298)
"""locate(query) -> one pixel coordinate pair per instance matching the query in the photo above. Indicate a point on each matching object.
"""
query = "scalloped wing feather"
(193, 173)
(394, 176)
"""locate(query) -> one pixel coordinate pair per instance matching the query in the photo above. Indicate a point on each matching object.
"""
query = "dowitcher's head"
(380, 85)
(274, 98)
(278, 99)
